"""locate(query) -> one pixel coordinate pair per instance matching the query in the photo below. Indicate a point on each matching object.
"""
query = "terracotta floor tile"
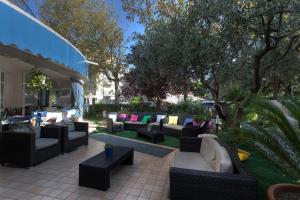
(57, 178)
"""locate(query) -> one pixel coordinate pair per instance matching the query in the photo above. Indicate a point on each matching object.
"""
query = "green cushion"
(145, 118)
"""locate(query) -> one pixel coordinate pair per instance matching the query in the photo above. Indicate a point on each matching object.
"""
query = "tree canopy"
(252, 43)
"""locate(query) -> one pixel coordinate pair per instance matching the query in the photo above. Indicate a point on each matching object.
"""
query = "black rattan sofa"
(189, 140)
(125, 124)
(72, 139)
(197, 184)
(174, 130)
(24, 149)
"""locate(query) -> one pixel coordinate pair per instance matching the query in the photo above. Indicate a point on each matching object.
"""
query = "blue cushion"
(187, 121)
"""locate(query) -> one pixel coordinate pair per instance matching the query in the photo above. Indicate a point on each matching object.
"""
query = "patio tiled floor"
(57, 178)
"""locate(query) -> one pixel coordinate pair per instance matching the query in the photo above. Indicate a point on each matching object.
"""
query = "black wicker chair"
(189, 140)
(69, 142)
(21, 148)
(196, 184)
(113, 127)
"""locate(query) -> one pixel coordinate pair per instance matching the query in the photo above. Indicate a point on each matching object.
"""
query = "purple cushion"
(122, 116)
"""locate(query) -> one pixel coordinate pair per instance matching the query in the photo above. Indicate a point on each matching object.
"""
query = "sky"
(127, 26)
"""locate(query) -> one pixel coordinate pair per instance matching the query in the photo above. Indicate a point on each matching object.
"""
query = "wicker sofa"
(195, 176)
(189, 140)
(27, 149)
(73, 135)
(125, 124)
(174, 130)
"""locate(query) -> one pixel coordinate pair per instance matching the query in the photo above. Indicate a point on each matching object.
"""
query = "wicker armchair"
(189, 140)
(25, 149)
(113, 127)
(197, 184)
(76, 138)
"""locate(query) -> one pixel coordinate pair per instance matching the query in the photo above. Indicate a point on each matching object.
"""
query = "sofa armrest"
(18, 142)
(51, 131)
(197, 184)
(82, 126)
(190, 131)
(165, 120)
(109, 124)
(190, 144)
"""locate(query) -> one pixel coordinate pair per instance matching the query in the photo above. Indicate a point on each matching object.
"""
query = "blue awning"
(26, 33)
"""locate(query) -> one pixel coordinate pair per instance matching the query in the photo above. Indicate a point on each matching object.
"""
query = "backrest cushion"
(21, 128)
(215, 155)
(122, 117)
(134, 118)
(188, 121)
(207, 151)
(70, 124)
(146, 118)
(160, 117)
(113, 117)
(173, 120)
(197, 123)
(37, 131)
(223, 161)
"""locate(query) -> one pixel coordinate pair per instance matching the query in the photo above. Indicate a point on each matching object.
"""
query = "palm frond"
(276, 136)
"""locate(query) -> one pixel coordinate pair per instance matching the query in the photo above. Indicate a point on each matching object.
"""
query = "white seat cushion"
(176, 127)
(191, 160)
(45, 142)
(75, 134)
(129, 122)
(153, 124)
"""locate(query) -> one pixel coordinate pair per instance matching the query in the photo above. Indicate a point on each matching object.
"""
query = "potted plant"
(108, 150)
(276, 135)
(283, 191)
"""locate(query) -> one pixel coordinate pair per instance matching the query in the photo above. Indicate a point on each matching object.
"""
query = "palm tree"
(276, 134)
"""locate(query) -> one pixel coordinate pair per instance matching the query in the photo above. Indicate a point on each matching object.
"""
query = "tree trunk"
(256, 75)
(117, 92)
(158, 104)
(185, 92)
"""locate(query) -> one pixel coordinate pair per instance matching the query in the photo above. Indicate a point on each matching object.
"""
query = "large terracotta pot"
(273, 190)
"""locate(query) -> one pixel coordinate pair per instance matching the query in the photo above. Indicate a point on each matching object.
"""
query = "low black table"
(154, 134)
(95, 172)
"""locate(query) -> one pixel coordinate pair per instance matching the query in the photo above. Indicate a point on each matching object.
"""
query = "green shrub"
(189, 107)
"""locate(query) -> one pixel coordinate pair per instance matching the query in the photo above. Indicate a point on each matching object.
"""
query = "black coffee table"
(95, 172)
(154, 134)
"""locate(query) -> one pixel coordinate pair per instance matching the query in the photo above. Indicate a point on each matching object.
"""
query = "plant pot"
(109, 152)
(274, 190)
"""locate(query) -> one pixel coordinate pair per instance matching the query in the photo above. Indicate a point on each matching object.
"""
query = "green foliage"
(92, 27)
(253, 43)
(108, 146)
(97, 109)
(136, 100)
(188, 107)
(276, 134)
(38, 81)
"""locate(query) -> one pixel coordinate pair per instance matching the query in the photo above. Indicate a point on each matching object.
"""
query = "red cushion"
(134, 118)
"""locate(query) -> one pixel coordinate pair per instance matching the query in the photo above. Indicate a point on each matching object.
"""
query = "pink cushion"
(209, 126)
(196, 123)
(134, 118)
(122, 116)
